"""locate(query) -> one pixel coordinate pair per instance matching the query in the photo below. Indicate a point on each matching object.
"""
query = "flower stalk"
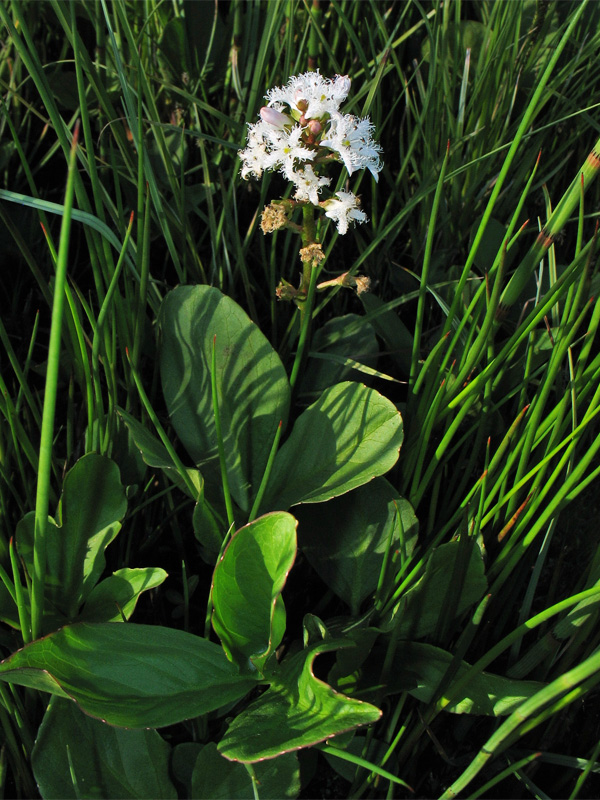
(302, 133)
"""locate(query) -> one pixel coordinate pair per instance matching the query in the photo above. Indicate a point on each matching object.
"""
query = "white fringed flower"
(343, 210)
(311, 95)
(301, 131)
(352, 139)
(308, 185)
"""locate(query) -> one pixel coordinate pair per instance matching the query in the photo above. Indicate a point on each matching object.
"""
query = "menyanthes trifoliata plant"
(300, 133)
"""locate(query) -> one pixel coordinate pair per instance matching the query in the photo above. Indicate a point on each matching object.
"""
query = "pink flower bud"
(315, 127)
(274, 117)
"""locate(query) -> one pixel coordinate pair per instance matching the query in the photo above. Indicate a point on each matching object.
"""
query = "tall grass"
(486, 117)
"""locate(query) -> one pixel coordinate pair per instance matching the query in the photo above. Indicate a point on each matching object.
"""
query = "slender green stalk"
(219, 433)
(98, 331)
(47, 429)
(265, 478)
(192, 488)
(18, 595)
(568, 685)
(305, 322)
(416, 351)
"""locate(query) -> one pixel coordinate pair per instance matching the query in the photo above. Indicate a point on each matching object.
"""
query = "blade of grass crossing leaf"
(161, 432)
(361, 762)
(560, 692)
(219, 434)
(47, 431)
(265, 479)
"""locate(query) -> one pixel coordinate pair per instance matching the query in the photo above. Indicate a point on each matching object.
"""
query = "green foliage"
(249, 616)
(137, 676)
(313, 712)
(216, 778)
(463, 581)
(77, 756)
(252, 385)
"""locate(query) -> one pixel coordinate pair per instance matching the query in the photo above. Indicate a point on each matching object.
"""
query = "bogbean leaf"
(248, 615)
(345, 539)
(252, 385)
(116, 596)
(388, 325)
(351, 336)
(454, 581)
(138, 676)
(216, 778)
(155, 454)
(351, 435)
(92, 503)
(76, 756)
(298, 710)
(418, 669)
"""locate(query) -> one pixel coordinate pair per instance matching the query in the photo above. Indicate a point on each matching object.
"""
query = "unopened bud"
(315, 127)
(274, 117)
(285, 291)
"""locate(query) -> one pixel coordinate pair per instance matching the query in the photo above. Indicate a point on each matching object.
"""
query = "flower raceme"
(301, 131)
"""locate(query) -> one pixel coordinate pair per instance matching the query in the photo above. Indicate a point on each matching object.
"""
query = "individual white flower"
(352, 139)
(311, 95)
(343, 210)
(308, 185)
(273, 147)
(289, 148)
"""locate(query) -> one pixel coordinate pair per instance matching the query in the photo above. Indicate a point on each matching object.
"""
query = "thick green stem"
(47, 432)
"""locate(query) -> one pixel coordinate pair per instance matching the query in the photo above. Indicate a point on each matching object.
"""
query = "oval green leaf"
(138, 676)
(351, 435)
(345, 539)
(252, 385)
(247, 583)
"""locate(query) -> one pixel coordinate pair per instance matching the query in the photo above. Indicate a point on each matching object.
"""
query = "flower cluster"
(300, 131)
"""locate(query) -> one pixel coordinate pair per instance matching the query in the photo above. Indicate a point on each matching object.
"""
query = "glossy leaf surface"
(345, 539)
(138, 676)
(252, 385)
(349, 436)
(298, 710)
(247, 583)
(92, 503)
